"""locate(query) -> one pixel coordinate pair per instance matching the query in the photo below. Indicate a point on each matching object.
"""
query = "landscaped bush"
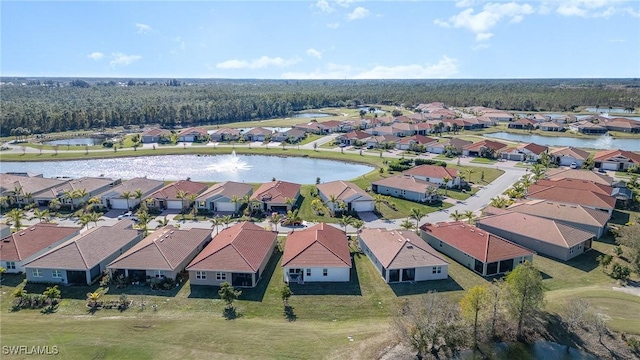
(418, 162)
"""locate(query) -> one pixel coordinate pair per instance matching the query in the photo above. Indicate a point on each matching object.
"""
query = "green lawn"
(483, 161)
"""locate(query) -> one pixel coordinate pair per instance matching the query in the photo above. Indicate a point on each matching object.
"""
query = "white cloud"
(346, 3)
(480, 47)
(617, 40)
(594, 8)
(96, 55)
(483, 36)
(260, 63)
(446, 67)
(324, 6)
(334, 25)
(120, 59)
(358, 13)
(490, 16)
(314, 53)
(143, 28)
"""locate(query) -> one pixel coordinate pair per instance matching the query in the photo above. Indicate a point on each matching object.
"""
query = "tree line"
(51, 105)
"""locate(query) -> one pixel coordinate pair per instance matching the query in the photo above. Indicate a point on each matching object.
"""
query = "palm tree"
(499, 202)
(470, 216)
(42, 215)
(357, 224)
(526, 181)
(80, 194)
(406, 224)
(462, 177)
(215, 222)
(289, 202)
(16, 192)
(469, 172)
(333, 201)
(15, 217)
(137, 194)
(94, 202)
(69, 195)
(456, 216)
(127, 195)
(84, 220)
(162, 222)
(446, 180)
(377, 200)
(54, 205)
(293, 218)
(342, 206)
(538, 172)
(236, 200)
(181, 194)
(4, 201)
(345, 221)
(431, 190)
(95, 217)
(417, 214)
(226, 220)
(192, 202)
(275, 220)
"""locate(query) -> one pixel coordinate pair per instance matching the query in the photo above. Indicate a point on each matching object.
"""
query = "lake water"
(540, 350)
(600, 142)
(76, 142)
(311, 115)
(604, 109)
(247, 168)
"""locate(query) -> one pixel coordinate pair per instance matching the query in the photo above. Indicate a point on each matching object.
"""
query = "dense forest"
(41, 105)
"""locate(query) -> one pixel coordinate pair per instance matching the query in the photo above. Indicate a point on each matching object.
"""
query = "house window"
(36, 273)
(221, 276)
(201, 275)
(56, 274)
(440, 243)
(308, 272)
(158, 273)
(11, 265)
(437, 269)
(570, 250)
(325, 272)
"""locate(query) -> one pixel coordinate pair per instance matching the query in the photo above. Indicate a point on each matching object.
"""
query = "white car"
(128, 215)
(573, 165)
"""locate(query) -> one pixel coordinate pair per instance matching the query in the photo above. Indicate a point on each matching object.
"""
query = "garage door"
(174, 205)
(610, 166)
(119, 204)
(363, 205)
(226, 206)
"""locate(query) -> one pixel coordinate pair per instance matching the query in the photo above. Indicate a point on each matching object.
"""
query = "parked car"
(601, 170)
(573, 165)
(128, 215)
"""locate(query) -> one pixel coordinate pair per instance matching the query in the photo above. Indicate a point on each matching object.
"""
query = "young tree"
(416, 214)
(275, 219)
(446, 180)
(470, 216)
(472, 304)
(406, 224)
(285, 293)
(228, 294)
(524, 295)
(14, 217)
(604, 261)
(53, 295)
(215, 222)
(456, 215)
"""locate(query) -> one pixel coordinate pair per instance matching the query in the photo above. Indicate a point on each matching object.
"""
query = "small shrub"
(634, 344)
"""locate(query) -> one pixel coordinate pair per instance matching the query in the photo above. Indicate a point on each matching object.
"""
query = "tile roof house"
(219, 197)
(25, 245)
(567, 173)
(381, 141)
(238, 255)
(573, 184)
(257, 134)
(412, 142)
(545, 236)
(193, 134)
(406, 187)
(567, 155)
(524, 123)
(623, 125)
(434, 174)
(278, 196)
(162, 254)
(94, 186)
(482, 251)
(550, 126)
(168, 197)
(17, 186)
(115, 199)
(319, 253)
(225, 134)
(402, 256)
(570, 196)
(440, 148)
(478, 148)
(353, 137)
(526, 152)
(82, 259)
(155, 135)
(354, 198)
(292, 135)
(587, 127)
(594, 221)
(617, 160)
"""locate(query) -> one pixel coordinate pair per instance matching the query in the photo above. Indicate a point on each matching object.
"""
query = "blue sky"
(323, 39)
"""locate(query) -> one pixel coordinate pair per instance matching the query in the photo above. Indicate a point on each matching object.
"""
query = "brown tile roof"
(537, 228)
(343, 190)
(418, 139)
(194, 130)
(534, 148)
(608, 154)
(145, 185)
(321, 245)
(239, 248)
(331, 123)
(475, 242)
(170, 191)
(90, 184)
(561, 212)
(155, 132)
(276, 191)
(87, 250)
(259, 131)
(495, 145)
(163, 249)
(405, 182)
(226, 190)
(575, 184)
(550, 124)
(27, 184)
(356, 134)
(432, 171)
(396, 249)
(571, 152)
(565, 173)
(20, 245)
(572, 196)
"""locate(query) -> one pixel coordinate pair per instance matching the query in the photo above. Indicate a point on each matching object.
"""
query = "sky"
(322, 39)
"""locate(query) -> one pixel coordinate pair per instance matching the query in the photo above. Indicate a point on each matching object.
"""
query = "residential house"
(223, 197)
(406, 187)
(569, 196)
(498, 116)
(257, 134)
(353, 138)
(82, 259)
(92, 186)
(484, 148)
(381, 142)
(542, 235)
(455, 144)
(403, 129)
(576, 184)
(435, 174)
(238, 255)
(155, 135)
(484, 252)
(618, 160)
(402, 256)
(331, 126)
(568, 155)
(162, 255)
(194, 134)
(20, 189)
(353, 197)
(25, 245)
(225, 134)
(276, 196)
(293, 135)
(414, 142)
(530, 152)
(587, 127)
(623, 125)
(122, 196)
(567, 173)
(524, 124)
(312, 127)
(550, 126)
(175, 196)
(317, 254)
